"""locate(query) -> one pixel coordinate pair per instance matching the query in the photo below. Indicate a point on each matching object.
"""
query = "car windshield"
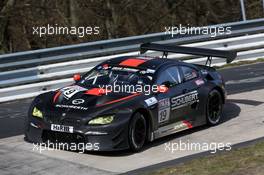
(116, 75)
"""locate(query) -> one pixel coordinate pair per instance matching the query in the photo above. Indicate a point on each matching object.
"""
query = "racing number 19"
(164, 115)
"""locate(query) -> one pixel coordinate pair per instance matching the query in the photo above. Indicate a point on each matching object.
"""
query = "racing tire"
(137, 132)
(214, 108)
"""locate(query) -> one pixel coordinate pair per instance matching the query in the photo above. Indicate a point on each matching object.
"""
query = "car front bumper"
(109, 137)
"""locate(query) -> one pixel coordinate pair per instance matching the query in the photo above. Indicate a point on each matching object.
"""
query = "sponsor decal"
(71, 107)
(164, 110)
(184, 100)
(173, 128)
(151, 101)
(162, 88)
(77, 101)
(188, 124)
(62, 128)
(199, 82)
(180, 126)
(190, 75)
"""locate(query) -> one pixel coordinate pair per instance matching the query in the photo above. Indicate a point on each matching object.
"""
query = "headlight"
(103, 120)
(37, 113)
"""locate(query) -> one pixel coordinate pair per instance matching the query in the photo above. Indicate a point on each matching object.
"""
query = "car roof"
(142, 62)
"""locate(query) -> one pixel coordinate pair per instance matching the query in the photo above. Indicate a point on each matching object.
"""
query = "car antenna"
(209, 61)
(165, 55)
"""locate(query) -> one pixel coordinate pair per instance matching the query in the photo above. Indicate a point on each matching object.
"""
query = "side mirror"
(167, 84)
(77, 77)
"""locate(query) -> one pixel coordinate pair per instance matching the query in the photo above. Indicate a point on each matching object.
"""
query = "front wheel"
(137, 132)
(214, 108)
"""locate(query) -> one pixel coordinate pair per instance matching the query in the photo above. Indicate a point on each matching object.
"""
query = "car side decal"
(199, 82)
(188, 124)
(164, 110)
(184, 100)
(151, 101)
(172, 128)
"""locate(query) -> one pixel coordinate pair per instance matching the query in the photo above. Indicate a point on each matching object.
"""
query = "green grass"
(242, 161)
(239, 64)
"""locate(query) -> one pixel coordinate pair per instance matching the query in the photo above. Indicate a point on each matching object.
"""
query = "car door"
(169, 76)
(190, 91)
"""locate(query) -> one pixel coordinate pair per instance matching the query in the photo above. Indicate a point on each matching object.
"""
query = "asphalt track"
(243, 122)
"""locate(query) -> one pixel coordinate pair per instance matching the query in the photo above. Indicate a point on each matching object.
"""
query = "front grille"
(71, 122)
(51, 118)
(60, 137)
(58, 119)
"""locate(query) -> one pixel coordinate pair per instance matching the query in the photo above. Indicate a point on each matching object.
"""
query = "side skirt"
(171, 129)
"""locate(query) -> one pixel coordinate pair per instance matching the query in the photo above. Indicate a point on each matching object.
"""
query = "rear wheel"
(137, 132)
(214, 108)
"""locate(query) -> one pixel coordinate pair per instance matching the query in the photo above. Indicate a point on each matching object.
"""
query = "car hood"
(78, 99)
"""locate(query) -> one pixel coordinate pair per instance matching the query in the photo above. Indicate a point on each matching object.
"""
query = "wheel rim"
(139, 133)
(214, 109)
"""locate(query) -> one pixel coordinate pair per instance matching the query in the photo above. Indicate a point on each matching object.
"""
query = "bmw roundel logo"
(77, 101)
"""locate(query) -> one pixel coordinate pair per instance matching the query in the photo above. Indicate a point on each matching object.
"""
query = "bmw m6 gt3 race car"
(91, 111)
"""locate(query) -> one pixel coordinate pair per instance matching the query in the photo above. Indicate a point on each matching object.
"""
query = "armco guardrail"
(66, 69)
(116, 46)
(27, 74)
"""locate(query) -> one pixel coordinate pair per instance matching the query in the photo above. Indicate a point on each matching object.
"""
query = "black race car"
(127, 101)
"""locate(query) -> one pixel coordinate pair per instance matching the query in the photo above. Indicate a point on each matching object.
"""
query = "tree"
(5, 13)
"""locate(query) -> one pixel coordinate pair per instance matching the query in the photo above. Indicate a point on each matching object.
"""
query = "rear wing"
(209, 53)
